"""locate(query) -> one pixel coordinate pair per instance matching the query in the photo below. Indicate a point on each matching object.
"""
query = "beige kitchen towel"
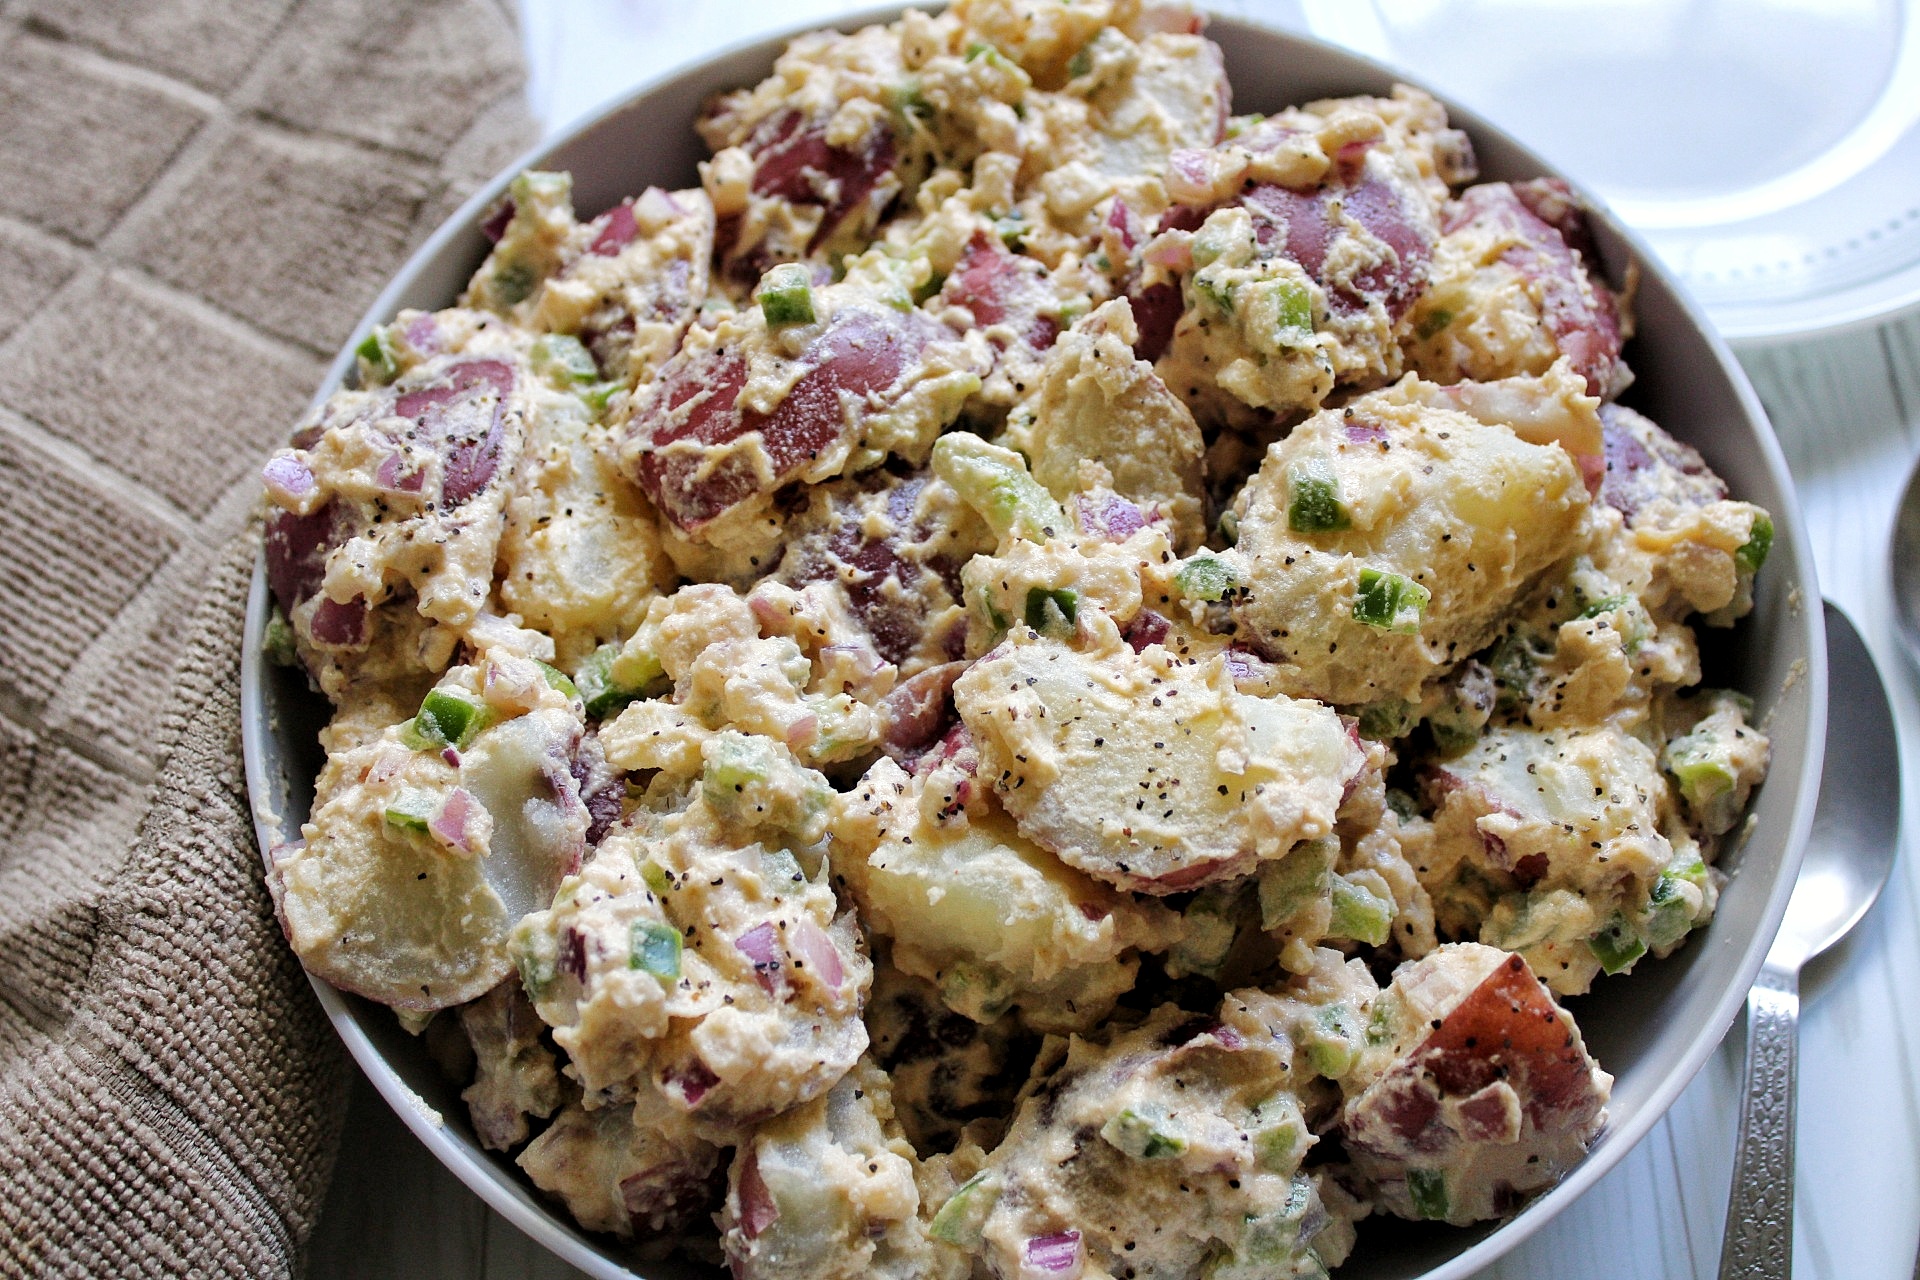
(197, 200)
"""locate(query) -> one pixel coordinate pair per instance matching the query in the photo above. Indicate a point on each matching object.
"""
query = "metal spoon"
(1906, 563)
(1856, 830)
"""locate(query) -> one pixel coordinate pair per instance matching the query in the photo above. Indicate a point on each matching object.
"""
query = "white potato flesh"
(1467, 511)
(1149, 770)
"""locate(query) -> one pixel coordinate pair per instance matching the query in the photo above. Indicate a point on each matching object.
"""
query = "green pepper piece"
(412, 810)
(452, 718)
(1053, 612)
(277, 640)
(558, 679)
(1145, 1134)
(1229, 528)
(1668, 917)
(995, 482)
(1279, 1134)
(1432, 323)
(514, 281)
(1428, 1190)
(378, 365)
(976, 990)
(1211, 921)
(1313, 504)
(1333, 1040)
(1753, 552)
(654, 947)
(1206, 578)
(1386, 720)
(786, 295)
(1616, 946)
(1012, 229)
(1358, 914)
(563, 360)
(910, 100)
(1704, 775)
(964, 1215)
(1290, 885)
(601, 693)
(537, 971)
(656, 878)
(1390, 603)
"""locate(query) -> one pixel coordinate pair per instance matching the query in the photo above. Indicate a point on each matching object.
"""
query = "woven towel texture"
(197, 200)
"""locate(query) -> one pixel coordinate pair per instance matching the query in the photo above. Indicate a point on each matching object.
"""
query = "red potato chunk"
(806, 193)
(1515, 288)
(1311, 226)
(1646, 465)
(631, 1170)
(892, 546)
(1486, 1095)
(1008, 297)
(699, 452)
(394, 494)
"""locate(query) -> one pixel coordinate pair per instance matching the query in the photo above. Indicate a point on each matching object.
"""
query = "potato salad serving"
(1035, 679)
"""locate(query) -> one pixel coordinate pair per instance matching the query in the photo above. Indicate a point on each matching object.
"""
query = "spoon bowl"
(1906, 564)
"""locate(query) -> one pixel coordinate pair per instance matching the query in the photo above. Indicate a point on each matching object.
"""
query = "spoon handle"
(1759, 1243)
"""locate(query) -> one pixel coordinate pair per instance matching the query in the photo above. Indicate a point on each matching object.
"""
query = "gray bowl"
(1652, 1030)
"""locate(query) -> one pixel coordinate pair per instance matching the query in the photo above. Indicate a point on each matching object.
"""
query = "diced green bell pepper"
(654, 947)
(964, 1215)
(1432, 323)
(1290, 885)
(1206, 578)
(1313, 504)
(1279, 1134)
(563, 360)
(995, 482)
(1385, 720)
(655, 877)
(1144, 1134)
(1428, 1190)
(1616, 945)
(377, 363)
(1210, 927)
(277, 640)
(1053, 612)
(1333, 1039)
(1358, 913)
(786, 295)
(446, 719)
(599, 691)
(558, 679)
(1390, 603)
(412, 810)
(1753, 552)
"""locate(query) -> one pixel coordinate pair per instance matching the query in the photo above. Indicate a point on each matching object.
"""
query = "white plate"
(1768, 150)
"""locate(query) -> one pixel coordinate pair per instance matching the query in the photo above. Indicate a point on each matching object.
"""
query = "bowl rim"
(541, 1221)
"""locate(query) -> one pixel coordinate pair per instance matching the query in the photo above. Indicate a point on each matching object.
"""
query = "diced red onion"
(289, 481)
(817, 950)
(862, 658)
(1054, 1257)
(450, 825)
(423, 333)
(692, 1082)
(1170, 19)
(760, 945)
(803, 731)
(1359, 432)
(1147, 628)
(1121, 219)
(1175, 253)
(573, 954)
(1110, 516)
(758, 1211)
(1243, 664)
(1353, 152)
(1190, 176)
(494, 224)
(617, 231)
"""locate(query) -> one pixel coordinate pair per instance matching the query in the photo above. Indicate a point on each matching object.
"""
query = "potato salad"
(1036, 679)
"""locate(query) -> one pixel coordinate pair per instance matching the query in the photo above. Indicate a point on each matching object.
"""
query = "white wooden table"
(1847, 410)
